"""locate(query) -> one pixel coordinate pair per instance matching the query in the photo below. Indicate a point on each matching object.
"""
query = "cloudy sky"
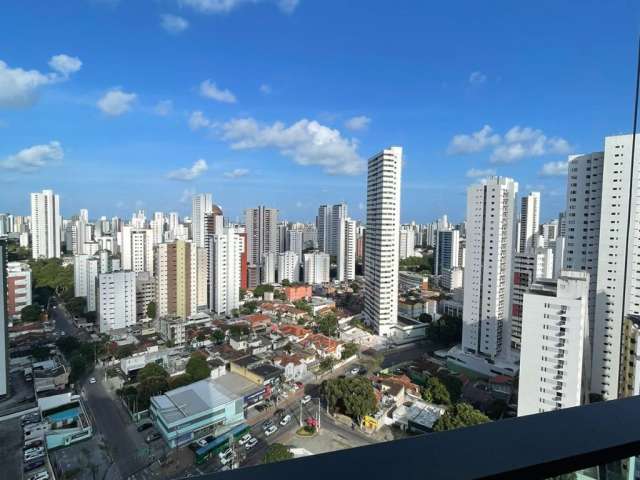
(119, 105)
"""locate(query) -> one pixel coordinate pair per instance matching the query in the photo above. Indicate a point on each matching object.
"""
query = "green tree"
(285, 282)
(260, 289)
(435, 392)
(328, 324)
(352, 396)
(16, 253)
(49, 277)
(40, 353)
(67, 345)
(91, 316)
(276, 452)
(179, 381)
(249, 307)
(243, 293)
(217, 336)
(78, 367)
(453, 384)
(124, 351)
(30, 313)
(151, 370)
(303, 305)
(327, 363)
(76, 305)
(152, 310)
(197, 367)
(238, 330)
(349, 350)
(446, 330)
(458, 416)
(150, 387)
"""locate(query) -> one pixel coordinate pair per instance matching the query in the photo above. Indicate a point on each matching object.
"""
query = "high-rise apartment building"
(225, 269)
(116, 300)
(46, 225)
(317, 268)
(201, 204)
(4, 321)
(529, 221)
(554, 359)
(491, 244)
(145, 294)
(323, 225)
(177, 278)
(406, 243)
(346, 255)
(261, 225)
(381, 241)
(618, 284)
(18, 287)
(136, 249)
(447, 251)
(288, 267)
(338, 216)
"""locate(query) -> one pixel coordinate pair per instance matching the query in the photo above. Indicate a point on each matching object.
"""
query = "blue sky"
(119, 105)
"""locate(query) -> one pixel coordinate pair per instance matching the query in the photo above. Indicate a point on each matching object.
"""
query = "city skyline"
(96, 115)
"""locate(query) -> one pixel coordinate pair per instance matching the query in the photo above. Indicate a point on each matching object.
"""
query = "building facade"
(46, 225)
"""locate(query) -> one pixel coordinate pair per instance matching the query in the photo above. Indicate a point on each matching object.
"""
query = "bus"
(220, 443)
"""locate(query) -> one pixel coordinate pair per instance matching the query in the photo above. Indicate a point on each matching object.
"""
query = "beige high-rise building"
(177, 278)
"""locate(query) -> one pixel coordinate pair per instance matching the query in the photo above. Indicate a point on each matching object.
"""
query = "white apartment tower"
(338, 216)
(201, 204)
(618, 284)
(116, 300)
(225, 251)
(288, 267)
(381, 250)
(529, 221)
(323, 225)
(555, 348)
(136, 248)
(346, 255)
(316, 268)
(406, 243)
(46, 224)
(491, 244)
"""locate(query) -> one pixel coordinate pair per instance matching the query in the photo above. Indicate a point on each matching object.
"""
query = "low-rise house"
(282, 311)
(322, 304)
(256, 369)
(258, 321)
(297, 292)
(325, 346)
(295, 333)
(294, 366)
(49, 375)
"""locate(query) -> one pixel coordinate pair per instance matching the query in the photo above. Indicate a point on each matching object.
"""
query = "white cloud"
(475, 172)
(65, 65)
(475, 142)
(210, 90)
(33, 158)
(197, 120)
(194, 171)
(173, 23)
(358, 123)
(163, 108)
(476, 78)
(266, 89)
(238, 172)
(19, 88)
(307, 142)
(226, 6)
(517, 143)
(554, 169)
(116, 102)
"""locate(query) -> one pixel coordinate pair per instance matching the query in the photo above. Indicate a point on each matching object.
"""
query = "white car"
(31, 451)
(225, 460)
(306, 399)
(202, 442)
(43, 475)
(92, 380)
(225, 453)
(251, 443)
(244, 439)
(33, 456)
(355, 371)
(286, 419)
(271, 430)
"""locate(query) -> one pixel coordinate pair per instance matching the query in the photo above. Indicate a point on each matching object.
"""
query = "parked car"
(34, 456)
(153, 436)
(202, 442)
(271, 430)
(225, 453)
(144, 426)
(267, 424)
(43, 475)
(92, 380)
(244, 439)
(31, 450)
(285, 420)
(306, 399)
(33, 465)
(355, 371)
(251, 443)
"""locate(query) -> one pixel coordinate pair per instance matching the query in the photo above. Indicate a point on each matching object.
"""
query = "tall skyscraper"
(261, 225)
(491, 244)
(225, 252)
(136, 248)
(381, 240)
(618, 284)
(201, 204)
(177, 275)
(555, 347)
(4, 321)
(116, 300)
(584, 205)
(157, 226)
(323, 225)
(447, 251)
(407, 242)
(338, 216)
(346, 254)
(288, 267)
(529, 221)
(46, 225)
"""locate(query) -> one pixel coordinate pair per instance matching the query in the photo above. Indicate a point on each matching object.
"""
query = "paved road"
(63, 321)
(408, 353)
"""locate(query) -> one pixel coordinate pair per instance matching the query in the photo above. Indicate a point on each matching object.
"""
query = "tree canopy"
(151, 310)
(458, 416)
(76, 305)
(422, 264)
(446, 330)
(435, 392)
(197, 367)
(260, 289)
(217, 336)
(349, 350)
(49, 277)
(151, 370)
(249, 307)
(352, 396)
(30, 313)
(276, 452)
(328, 324)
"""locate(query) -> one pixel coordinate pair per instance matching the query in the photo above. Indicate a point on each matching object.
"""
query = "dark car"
(152, 437)
(144, 426)
(33, 465)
